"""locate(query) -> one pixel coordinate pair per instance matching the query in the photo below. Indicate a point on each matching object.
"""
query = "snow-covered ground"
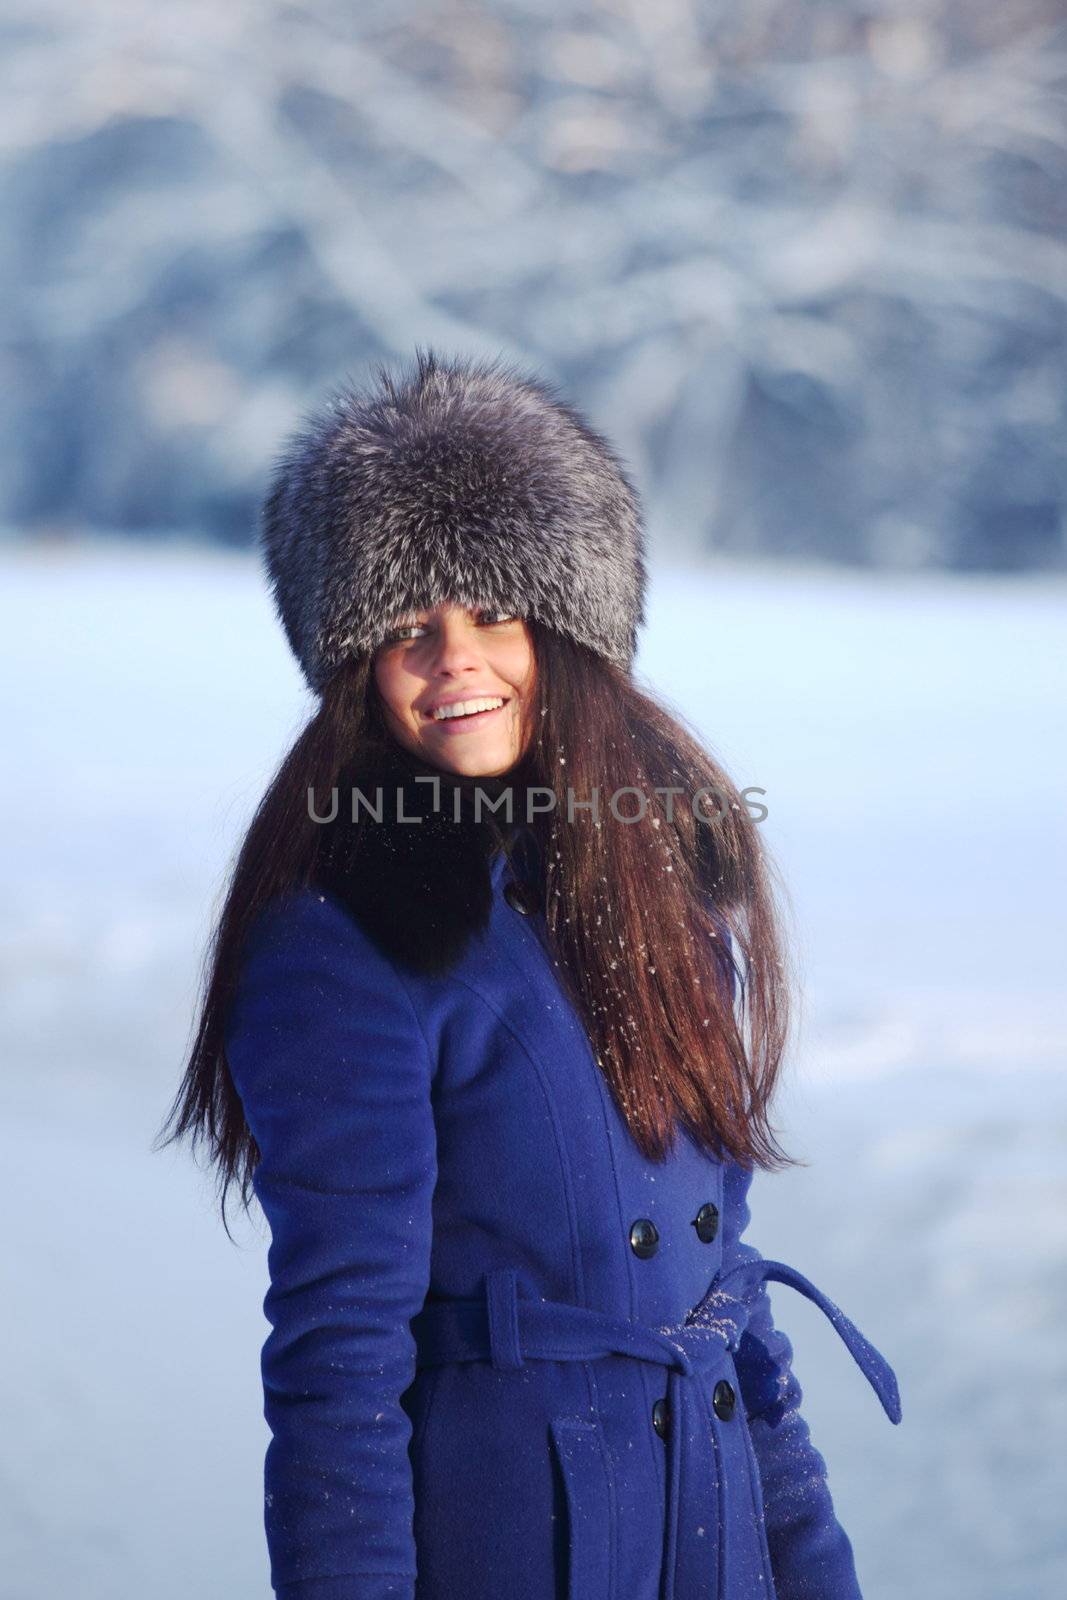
(909, 734)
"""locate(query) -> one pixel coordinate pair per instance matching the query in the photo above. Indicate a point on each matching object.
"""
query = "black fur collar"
(421, 889)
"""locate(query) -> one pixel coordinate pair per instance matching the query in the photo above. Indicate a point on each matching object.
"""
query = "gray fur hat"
(463, 480)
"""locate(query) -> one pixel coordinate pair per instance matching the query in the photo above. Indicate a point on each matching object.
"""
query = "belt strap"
(506, 1329)
(750, 1275)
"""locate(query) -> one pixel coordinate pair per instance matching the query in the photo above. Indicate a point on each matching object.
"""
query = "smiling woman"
(460, 693)
(500, 1086)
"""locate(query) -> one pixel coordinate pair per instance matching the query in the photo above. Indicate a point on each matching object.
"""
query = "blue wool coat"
(509, 1356)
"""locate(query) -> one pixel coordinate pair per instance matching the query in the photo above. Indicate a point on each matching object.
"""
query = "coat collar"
(420, 882)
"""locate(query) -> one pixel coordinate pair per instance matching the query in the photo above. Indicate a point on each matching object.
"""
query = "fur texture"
(463, 480)
(422, 889)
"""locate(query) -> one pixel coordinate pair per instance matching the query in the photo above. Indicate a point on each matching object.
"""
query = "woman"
(485, 1055)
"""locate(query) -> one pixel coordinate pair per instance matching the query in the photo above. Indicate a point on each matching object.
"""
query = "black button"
(644, 1238)
(517, 897)
(723, 1400)
(661, 1417)
(706, 1222)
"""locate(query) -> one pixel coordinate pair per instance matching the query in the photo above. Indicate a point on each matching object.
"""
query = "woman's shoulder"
(307, 931)
(301, 909)
(313, 993)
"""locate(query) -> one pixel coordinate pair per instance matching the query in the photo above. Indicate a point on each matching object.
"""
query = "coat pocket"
(581, 1456)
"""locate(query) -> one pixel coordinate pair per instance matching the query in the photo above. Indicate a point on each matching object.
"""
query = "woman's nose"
(457, 646)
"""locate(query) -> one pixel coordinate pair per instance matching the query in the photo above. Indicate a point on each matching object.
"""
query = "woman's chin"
(473, 757)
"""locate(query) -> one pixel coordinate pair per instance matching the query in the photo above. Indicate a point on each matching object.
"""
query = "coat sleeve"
(334, 1075)
(811, 1555)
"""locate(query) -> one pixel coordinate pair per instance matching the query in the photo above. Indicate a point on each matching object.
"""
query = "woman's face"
(438, 659)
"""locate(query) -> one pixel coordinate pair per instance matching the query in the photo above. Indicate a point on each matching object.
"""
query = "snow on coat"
(509, 1356)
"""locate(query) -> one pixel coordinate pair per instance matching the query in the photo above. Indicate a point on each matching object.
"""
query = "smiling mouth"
(454, 717)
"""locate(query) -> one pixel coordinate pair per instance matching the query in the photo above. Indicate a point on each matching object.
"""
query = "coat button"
(706, 1222)
(517, 898)
(644, 1238)
(661, 1416)
(723, 1400)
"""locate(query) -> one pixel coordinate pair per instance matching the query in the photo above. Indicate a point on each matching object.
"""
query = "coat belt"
(506, 1329)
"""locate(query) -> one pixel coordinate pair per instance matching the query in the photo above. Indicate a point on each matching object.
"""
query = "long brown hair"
(635, 911)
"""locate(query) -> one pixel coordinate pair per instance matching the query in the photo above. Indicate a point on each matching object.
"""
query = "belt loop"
(501, 1298)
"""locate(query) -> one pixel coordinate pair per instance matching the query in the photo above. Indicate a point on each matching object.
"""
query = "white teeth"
(464, 708)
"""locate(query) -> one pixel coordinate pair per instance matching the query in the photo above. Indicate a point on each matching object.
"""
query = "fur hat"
(466, 481)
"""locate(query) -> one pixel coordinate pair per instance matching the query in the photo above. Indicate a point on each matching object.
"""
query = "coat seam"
(576, 1240)
(610, 1460)
(588, 1367)
(396, 972)
(576, 1272)
(576, 1266)
(758, 1506)
(417, 1019)
(645, 1377)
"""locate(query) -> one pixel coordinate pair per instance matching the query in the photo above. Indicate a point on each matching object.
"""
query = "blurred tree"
(804, 260)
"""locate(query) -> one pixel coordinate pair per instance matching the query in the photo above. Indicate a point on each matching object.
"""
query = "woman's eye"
(412, 630)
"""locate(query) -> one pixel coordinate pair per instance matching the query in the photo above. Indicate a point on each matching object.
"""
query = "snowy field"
(909, 733)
